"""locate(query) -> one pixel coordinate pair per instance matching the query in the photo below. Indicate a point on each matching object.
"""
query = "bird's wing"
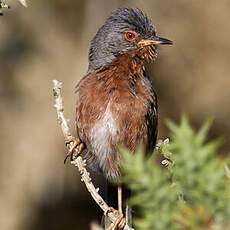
(152, 118)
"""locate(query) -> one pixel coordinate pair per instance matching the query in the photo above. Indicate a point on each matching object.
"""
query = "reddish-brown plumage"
(117, 104)
(112, 109)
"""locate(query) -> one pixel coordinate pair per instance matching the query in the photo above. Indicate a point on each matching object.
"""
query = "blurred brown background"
(50, 40)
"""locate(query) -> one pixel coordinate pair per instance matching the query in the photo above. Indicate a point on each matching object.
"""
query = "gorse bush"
(189, 189)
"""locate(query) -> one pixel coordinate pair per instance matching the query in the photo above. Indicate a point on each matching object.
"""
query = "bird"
(117, 102)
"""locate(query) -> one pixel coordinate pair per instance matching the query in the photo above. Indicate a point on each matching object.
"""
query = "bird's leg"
(120, 222)
(73, 144)
(119, 198)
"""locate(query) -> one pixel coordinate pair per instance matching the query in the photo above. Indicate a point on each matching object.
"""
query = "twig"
(3, 5)
(23, 2)
(78, 161)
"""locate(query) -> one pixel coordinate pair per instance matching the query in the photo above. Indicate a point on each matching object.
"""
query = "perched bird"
(117, 103)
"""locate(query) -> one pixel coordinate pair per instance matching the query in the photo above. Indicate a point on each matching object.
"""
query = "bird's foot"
(120, 221)
(75, 147)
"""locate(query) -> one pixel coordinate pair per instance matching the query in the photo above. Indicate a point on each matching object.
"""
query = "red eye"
(130, 36)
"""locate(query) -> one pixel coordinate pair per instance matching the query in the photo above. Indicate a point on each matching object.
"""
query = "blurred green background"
(50, 40)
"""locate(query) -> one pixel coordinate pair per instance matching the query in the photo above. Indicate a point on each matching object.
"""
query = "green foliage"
(188, 190)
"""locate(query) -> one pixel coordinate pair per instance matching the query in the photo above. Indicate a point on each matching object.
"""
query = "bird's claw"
(120, 221)
(74, 146)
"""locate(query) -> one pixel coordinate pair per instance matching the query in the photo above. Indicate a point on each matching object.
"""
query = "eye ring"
(130, 36)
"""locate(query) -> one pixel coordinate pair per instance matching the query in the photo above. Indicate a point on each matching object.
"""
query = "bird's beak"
(155, 41)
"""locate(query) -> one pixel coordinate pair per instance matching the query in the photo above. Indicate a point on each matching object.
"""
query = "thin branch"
(3, 5)
(78, 161)
(23, 2)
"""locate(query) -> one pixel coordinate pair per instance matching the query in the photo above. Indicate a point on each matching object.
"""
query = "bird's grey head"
(124, 30)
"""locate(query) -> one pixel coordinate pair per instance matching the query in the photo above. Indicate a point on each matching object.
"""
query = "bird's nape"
(121, 32)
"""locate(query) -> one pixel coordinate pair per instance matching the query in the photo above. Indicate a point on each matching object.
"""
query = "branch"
(23, 2)
(3, 5)
(78, 161)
